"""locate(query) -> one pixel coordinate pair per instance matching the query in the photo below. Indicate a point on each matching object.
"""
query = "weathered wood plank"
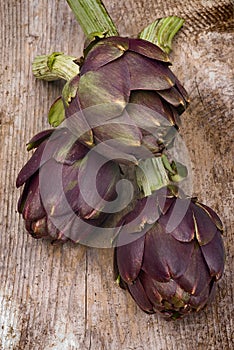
(64, 297)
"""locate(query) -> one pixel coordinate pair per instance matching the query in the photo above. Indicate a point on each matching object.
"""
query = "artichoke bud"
(173, 266)
(125, 87)
(66, 187)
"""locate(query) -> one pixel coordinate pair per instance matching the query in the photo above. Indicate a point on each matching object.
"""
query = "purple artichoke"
(172, 266)
(126, 92)
(52, 203)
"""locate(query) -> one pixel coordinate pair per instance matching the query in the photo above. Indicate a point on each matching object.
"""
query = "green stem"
(55, 66)
(151, 175)
(154, 173)
(162, 31)
(92, 16)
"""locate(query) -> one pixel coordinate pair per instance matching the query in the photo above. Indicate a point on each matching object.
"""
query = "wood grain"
(54, 297)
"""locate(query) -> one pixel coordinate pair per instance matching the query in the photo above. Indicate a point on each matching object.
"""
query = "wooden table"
(64, 297)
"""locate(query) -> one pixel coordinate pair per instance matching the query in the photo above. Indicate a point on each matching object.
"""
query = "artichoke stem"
(162, 31)
(55, 66)
(151, 175)
(92, 16)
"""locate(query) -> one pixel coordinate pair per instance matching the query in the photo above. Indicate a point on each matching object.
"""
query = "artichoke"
(170, 254)
(58, 179)
(125, 93)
